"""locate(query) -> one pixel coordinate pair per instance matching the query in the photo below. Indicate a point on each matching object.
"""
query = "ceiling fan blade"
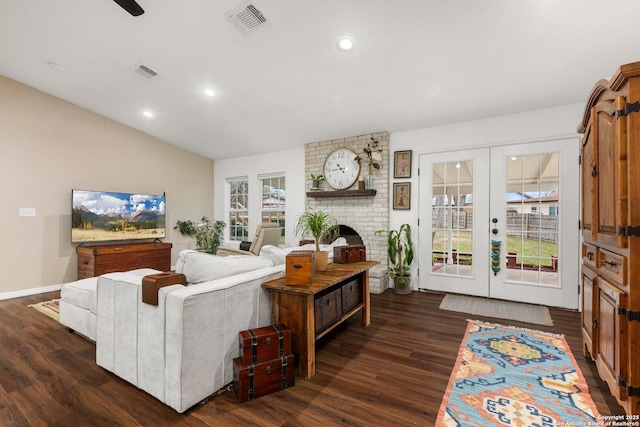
(131, 6)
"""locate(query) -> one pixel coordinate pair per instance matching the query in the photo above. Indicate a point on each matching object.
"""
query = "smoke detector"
(143, 71)
(246, 17)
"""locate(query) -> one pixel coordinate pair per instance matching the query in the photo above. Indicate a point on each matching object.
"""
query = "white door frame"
(477, 283)
(483, 282)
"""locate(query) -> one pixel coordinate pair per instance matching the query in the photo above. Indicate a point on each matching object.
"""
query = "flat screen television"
(102, 216)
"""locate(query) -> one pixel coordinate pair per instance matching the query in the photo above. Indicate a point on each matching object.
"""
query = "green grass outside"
(535, 252)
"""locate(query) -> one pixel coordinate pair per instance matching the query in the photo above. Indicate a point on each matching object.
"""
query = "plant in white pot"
(208, 235)
(401, 256)
(318, 224)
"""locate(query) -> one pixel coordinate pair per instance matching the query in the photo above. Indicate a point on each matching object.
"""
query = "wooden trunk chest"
(263, 344)
(328, 309)
(97, 260)
(350, 253)
(153, 282)
(300, 268)
(259, 379)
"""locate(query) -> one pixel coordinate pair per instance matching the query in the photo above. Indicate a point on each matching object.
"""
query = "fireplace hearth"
(351, 236)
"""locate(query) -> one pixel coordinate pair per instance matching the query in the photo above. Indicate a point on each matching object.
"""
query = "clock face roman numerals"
(341, 169)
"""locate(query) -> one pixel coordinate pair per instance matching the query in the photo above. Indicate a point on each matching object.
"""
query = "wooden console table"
(312, 311)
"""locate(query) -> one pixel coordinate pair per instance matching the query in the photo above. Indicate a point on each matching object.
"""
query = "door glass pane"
(532, 208)
(452, 218)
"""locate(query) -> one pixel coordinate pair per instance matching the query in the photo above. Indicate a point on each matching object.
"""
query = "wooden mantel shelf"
(342, 193)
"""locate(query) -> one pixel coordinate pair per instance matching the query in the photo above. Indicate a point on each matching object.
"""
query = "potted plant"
(208, 235)
(401, 256)
(319, 224)
(315, 181)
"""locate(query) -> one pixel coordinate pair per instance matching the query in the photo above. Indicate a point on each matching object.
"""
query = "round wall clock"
(341, 168)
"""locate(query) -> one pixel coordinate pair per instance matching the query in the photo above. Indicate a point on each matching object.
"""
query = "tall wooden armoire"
(610, 288)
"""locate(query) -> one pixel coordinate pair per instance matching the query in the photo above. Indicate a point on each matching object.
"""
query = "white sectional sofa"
(182, 350)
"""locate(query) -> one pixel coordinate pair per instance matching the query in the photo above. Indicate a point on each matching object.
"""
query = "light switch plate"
(27, 212)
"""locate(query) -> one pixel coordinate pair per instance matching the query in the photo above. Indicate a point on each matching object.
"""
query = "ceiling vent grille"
(246, 17)
(143, 71)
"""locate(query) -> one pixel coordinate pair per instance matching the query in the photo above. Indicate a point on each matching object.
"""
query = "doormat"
(48, 308)
(500, 309)
(512, 376)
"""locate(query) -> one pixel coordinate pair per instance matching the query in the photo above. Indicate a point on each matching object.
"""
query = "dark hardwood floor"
(393, 372)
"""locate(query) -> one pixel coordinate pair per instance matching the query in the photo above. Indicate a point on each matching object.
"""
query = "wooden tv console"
(96, 260)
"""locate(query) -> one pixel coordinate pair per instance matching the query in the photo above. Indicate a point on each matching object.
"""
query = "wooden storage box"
(300, 268)
(328, 309)
(153, 282)
(350, 253)
(351, 295)
(263, 344)
(97, 260)
(259, 379)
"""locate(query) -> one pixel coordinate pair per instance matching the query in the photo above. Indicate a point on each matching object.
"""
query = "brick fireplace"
(363, 214)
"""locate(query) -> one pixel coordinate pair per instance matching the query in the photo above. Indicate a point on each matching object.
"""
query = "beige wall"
(48, 147)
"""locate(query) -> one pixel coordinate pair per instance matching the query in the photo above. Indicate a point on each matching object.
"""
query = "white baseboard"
(27, 292)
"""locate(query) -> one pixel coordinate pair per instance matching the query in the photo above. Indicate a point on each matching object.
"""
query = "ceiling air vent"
(143, 71)
(246, 17)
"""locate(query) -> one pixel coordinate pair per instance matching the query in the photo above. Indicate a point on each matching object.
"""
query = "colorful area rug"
(500, 309)
(49, 308)
(515, 377)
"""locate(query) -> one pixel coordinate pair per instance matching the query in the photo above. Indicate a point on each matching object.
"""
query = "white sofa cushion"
(81, 293)
(278, 255)
(79, 307)
(199, 267)
(274, 253)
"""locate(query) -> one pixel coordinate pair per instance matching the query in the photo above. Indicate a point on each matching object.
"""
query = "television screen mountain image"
(105, 216)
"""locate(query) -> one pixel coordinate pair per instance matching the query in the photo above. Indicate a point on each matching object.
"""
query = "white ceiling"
(416, 63)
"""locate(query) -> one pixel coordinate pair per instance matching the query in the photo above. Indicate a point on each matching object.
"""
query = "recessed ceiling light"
(209, 92)
(147, 113)
(345, 43)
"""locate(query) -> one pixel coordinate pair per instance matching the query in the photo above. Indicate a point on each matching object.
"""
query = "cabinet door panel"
(610, 173)
(606, 215)
(588, 171)
(611, 349)
(589, 308)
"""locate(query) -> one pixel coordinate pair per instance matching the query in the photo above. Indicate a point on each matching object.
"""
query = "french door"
(502, 222)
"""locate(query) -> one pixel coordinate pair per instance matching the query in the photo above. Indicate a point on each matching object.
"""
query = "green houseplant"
(315, 181)
(208, 235)
(318, 224)
(401, 256)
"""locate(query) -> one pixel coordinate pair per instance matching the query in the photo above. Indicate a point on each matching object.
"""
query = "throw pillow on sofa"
(201, 267)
